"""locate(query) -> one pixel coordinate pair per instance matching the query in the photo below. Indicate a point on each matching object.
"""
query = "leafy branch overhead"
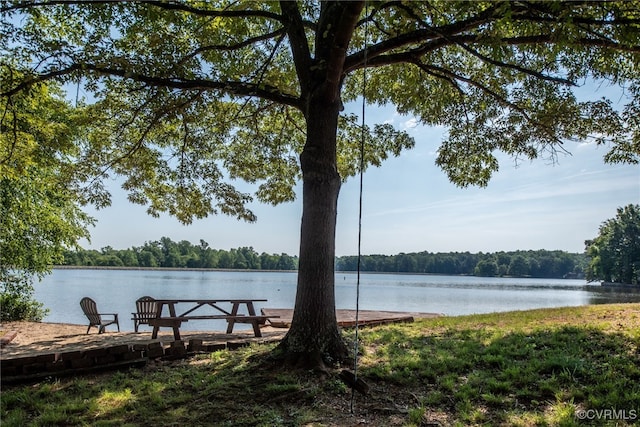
(187, 95)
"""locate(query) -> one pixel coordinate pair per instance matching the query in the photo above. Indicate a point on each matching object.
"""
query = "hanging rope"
(78, 90)
(363, 137)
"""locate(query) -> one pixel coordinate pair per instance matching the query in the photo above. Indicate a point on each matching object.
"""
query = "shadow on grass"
(224, 388)
(477, 376)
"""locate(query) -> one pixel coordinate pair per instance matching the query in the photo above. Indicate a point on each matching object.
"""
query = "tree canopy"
(190, 96)
(615, 253)
(40, 214)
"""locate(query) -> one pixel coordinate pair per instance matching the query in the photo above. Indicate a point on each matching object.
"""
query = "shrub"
(16, 300)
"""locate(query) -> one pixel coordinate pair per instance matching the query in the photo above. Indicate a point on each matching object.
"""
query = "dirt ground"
(33, 332)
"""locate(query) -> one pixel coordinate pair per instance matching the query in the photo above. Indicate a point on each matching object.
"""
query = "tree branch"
(244, 13)
(40, 78)
(432, 38)
(466, 39)
(546, 14)
(240, 45)
(516, 67)
(450, 76)
(170, 109)
(355, 60)
(485, 58)
(292, 20)
(160, 4)
(335, 30)
(231, 87)
(27, 5)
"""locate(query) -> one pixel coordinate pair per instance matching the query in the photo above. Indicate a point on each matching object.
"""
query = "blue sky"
(409, 206)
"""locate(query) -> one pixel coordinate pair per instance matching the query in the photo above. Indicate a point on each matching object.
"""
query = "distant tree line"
(539, 264)
(183, 254)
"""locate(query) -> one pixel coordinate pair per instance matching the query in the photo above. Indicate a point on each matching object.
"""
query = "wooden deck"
(347, 318)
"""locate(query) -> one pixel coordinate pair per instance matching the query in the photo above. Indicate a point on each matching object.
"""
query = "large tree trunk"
(314, 338)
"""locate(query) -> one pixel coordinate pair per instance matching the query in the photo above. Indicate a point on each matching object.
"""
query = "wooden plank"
(172, 322)
(176, 321)
(238, 318)
(346, 318)
(207, 301)
(250, 319)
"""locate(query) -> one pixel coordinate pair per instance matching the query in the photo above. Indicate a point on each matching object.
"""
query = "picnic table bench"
(232, 315)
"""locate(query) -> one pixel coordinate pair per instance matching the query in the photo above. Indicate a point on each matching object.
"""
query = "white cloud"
(412, 123)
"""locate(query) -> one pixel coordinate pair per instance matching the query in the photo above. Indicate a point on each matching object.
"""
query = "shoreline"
(247, 270)
(615, 287)
(114, 267)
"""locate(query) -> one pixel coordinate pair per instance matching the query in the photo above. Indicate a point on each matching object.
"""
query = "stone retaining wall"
(81, 361)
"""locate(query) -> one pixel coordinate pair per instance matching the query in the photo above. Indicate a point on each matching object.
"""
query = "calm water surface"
(115, 291)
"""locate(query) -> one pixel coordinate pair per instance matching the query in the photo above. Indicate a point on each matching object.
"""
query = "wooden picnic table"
(231, 313)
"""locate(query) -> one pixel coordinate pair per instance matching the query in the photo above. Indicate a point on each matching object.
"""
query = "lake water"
(115, 291)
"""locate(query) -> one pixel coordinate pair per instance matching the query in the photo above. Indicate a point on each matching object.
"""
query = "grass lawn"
(555, 367)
